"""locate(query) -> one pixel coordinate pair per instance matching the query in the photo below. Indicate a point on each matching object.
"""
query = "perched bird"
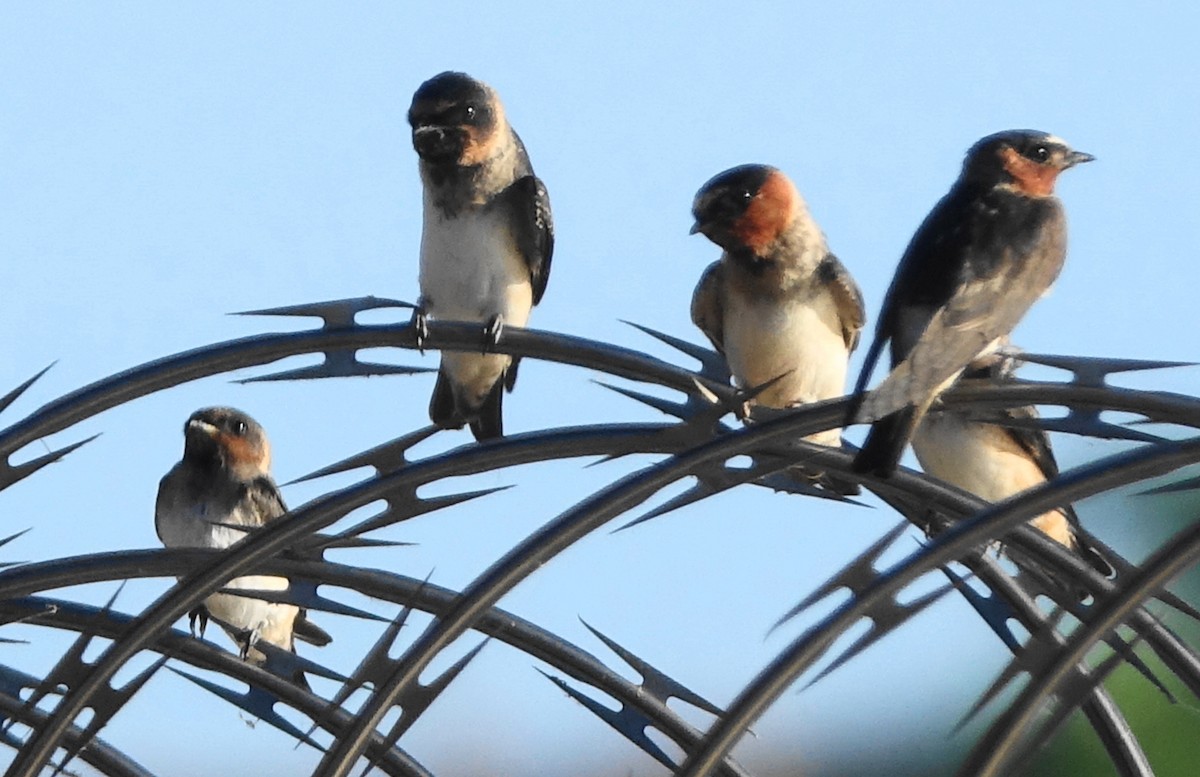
(778, 305)
(486, 241)
(995, 462)
(985, 253)
(222, 482)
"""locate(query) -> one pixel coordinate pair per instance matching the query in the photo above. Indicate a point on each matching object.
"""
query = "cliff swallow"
(995, 461)
(985, 253)
(778, 305)
(222, 482)
(486, 241)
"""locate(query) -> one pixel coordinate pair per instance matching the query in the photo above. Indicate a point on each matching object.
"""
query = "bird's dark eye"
(747, 195)
(239, 428)
(1041, 154)
(470, 112)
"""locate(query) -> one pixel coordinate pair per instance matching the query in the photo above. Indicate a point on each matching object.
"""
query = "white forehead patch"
(1056, 140)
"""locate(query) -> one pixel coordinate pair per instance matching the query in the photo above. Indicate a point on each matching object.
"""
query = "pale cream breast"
(982, 459)
(797, 340)
(471, 269)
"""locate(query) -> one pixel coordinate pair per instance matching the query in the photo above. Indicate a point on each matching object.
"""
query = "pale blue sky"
(163, 165)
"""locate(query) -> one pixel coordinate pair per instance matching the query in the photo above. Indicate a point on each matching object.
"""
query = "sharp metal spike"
(1072, 695)
(70, 666)
(12, 537)
(762, 412)
(1124, 569)
(1177, 487)
(995, 612)
(1013, 669)
(853, 577)
(422, 507)
(12, 396)
(1171, 600)
(10, 474)
(384, 459)
(665, 438)
(712, 363)
(1092, 371)
(784, 483)
(302, 593)
(12, 683)
(694, 494)
(375, 667)
(336, 314)
(433, 690)
(664, 406)
(121, 697)
(655, 682)
(337, 365)
(315, 545)
(305, 592)
(1086, 424)
(255, 702)
(419, 697)
(289, 666)
(883, 623)
(1041, 650)
(70, 669)
(628, 722)
(1124, 650)
(1147, 421)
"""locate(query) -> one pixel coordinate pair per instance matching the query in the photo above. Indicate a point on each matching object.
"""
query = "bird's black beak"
(1077, 158)
(437, 143)
(696, 228)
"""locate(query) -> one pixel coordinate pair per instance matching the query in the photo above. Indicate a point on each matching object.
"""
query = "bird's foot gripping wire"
(420, 325)
(492, 331)
(252, 637)
(198, 616)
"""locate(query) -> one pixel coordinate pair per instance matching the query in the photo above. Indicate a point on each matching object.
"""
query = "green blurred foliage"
(1169, 733)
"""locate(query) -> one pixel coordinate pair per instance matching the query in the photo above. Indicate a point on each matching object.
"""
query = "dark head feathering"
(1025, 161)
(222, 438)
(456, 121)
(746, 209)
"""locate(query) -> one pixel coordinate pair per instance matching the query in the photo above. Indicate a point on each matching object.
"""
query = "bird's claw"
(252, 638)
(741, 404)
(492, 331)
(200, 616)
(420, 325)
